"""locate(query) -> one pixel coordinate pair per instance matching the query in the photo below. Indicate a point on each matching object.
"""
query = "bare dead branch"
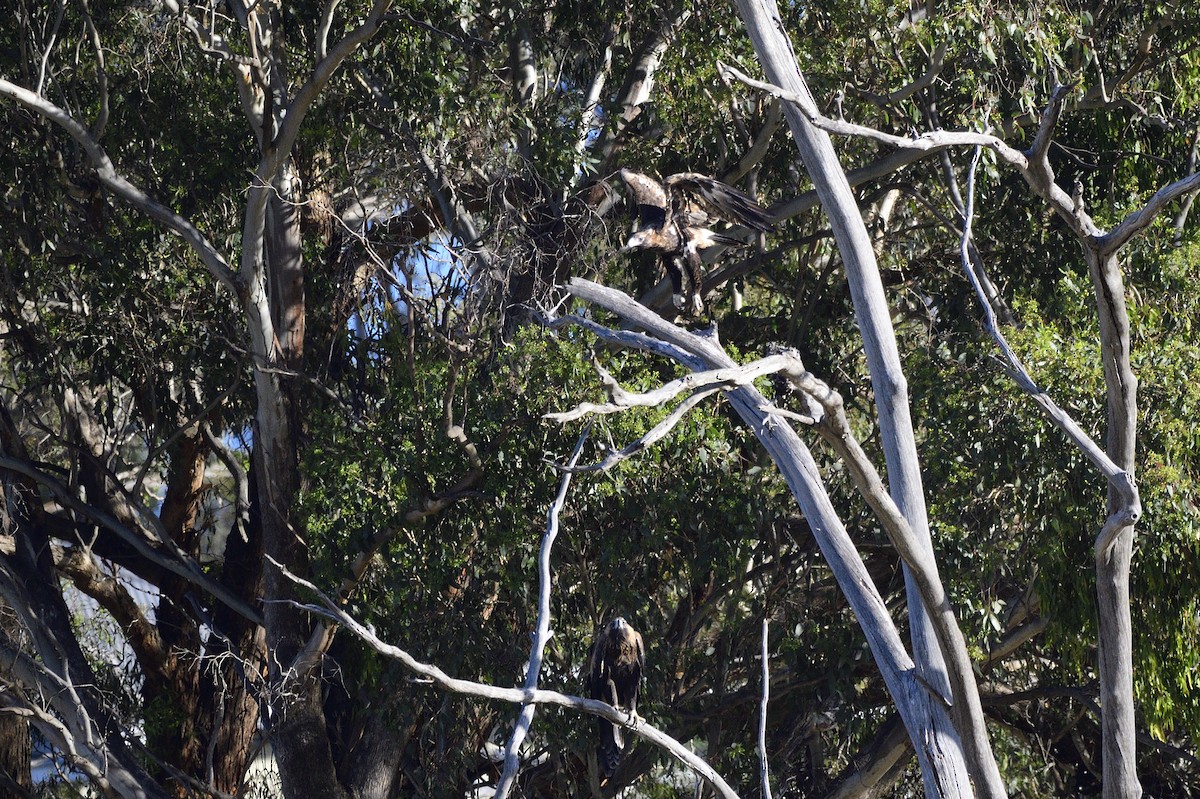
(799, 470)
(1037, 174)
(656, 433)
(66, 723)
(764, 767)
(330, 609)
(695, 381)
(541, 636)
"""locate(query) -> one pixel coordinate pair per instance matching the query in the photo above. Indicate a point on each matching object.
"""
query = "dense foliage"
(451, 174)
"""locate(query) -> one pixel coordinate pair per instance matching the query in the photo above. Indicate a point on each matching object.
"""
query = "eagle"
(672, 216)
(615, 665)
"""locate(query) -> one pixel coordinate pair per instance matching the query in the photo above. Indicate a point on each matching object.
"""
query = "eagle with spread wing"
(615, 665)
(672, 219)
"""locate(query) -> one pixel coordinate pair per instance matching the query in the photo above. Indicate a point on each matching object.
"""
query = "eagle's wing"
(598, 668)
(649, 196)
(723, 200)
(639, 671)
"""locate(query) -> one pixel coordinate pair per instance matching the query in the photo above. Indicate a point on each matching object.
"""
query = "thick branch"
(322, 72)
(951, 759)
(1141, 219)
(175, 562)
(800, 472)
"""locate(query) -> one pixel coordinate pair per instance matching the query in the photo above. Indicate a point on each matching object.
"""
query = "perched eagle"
(615, 666)
(672, 222)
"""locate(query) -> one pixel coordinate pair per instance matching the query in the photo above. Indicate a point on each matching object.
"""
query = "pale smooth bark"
(949, 763)
(911, 693)
(541, 635)
(522, 696)
(1114, 543)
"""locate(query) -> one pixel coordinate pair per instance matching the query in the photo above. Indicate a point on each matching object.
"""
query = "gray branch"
(541, 636)
(538, 696)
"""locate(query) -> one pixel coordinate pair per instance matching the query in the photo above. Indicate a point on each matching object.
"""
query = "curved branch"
(1139, 220)
(143, 637)
(120, 186)
(322, 72)
(208, 42)
(171, 560)
(1031, 164)
(713, 379)
(656, 433)
(539, 696)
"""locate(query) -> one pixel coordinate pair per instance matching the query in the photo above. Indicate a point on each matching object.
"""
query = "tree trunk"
(1112, 566)
(16, 747)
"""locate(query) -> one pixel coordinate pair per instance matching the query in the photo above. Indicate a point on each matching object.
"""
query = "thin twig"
(764, 768)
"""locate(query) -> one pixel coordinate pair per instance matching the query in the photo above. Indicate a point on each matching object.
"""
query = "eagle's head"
(638, 241)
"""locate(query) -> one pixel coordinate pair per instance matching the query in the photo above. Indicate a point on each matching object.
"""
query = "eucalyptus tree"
(271, 276)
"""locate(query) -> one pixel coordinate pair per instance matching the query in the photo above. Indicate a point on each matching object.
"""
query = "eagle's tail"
(610, 749)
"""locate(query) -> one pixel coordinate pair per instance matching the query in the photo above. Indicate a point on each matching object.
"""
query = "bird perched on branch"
(672, 216)
(615, 665)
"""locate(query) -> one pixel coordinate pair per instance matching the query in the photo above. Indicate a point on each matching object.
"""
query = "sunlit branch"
(694, 381)
(1141, 219)
(121, 187)
(541, 636)
(208, 41)
(835, 429)
(436, 676)
(656, 434)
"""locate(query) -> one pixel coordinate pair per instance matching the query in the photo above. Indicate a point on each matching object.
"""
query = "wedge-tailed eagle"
(672, 216)
(615, 666)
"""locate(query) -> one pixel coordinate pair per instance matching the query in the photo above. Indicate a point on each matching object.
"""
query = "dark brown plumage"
(615, 665)
(671, 221)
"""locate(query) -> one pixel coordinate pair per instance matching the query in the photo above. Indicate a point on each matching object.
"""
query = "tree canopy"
(276, 301)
